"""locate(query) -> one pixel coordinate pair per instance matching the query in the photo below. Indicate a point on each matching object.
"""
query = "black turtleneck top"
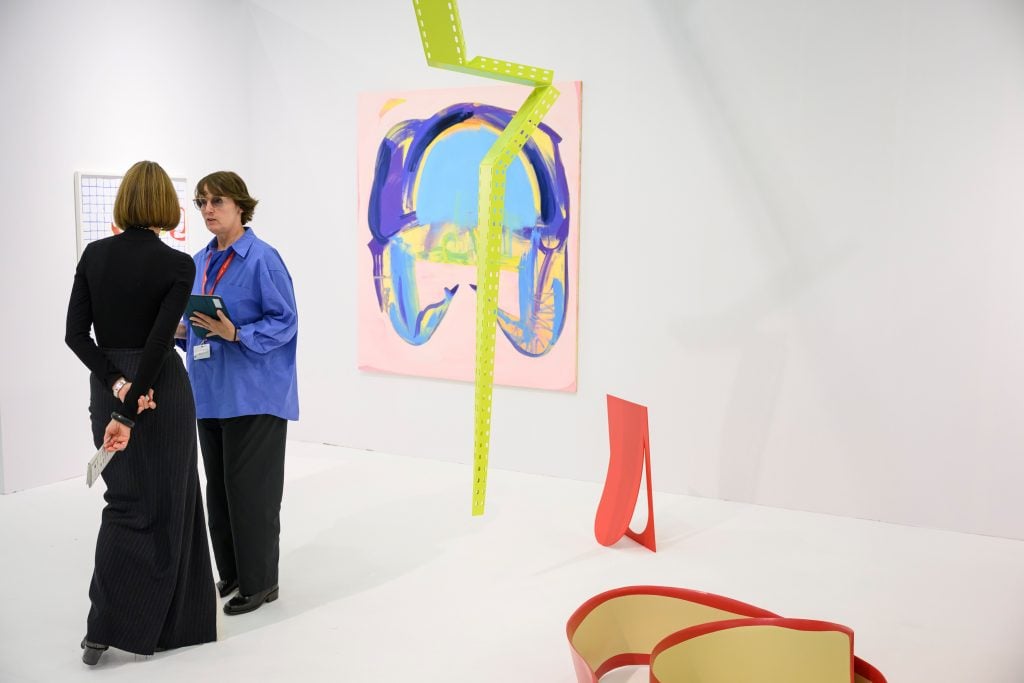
(131, 289)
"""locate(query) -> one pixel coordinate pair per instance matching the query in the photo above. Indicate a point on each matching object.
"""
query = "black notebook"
(207, 304)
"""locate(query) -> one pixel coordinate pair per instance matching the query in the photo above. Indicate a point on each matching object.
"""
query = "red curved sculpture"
(651, 625)
(629, 459)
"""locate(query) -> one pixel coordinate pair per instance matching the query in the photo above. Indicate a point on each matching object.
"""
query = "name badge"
(201, 351)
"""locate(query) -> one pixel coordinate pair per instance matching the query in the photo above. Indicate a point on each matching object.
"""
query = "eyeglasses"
(215, 202)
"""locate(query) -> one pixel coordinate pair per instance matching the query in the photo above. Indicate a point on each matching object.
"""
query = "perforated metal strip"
(445, 47)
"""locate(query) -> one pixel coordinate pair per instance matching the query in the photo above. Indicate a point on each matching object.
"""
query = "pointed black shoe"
(92, 652)
(240, 604)
(226, 588)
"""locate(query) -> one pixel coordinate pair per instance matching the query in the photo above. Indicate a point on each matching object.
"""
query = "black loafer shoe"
(92, 652)
(240, 604)
(226, 588)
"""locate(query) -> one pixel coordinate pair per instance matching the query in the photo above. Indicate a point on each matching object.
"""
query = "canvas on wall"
(419, 154)
(94, 209)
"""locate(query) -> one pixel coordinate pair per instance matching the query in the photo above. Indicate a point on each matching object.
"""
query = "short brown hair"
(146, 199)
(228, 184)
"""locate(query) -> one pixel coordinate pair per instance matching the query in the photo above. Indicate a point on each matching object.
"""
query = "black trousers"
(244, 459)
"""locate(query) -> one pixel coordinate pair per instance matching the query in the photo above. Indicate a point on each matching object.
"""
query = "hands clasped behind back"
(116, 435)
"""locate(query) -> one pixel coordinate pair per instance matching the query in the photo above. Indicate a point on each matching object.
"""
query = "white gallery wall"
(93, 87)
(800, 231)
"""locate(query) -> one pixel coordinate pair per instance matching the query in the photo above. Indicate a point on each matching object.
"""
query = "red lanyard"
(220, 273)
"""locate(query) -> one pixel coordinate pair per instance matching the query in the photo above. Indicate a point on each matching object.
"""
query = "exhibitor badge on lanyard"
(201, 351)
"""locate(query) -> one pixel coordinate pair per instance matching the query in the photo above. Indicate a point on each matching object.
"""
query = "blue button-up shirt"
(256, 375)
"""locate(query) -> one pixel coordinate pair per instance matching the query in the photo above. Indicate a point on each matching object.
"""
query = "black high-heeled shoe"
(92, 652)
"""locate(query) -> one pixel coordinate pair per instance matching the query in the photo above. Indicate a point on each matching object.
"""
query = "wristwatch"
(118, 385)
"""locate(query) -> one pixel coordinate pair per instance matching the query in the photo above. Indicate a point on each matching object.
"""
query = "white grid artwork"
(94, 208)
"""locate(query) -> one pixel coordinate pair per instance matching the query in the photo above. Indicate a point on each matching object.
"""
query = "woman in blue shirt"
(244, 380)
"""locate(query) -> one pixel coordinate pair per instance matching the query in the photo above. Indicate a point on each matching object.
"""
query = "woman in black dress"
(152, 585)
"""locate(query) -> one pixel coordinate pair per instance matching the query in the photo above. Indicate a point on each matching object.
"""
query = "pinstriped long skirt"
(152, 585)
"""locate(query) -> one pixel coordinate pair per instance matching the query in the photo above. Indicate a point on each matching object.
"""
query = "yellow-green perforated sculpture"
(445, 48)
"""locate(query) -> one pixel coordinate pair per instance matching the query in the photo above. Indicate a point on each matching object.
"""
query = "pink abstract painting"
(419, 154)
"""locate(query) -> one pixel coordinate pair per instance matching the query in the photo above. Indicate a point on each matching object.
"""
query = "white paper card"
(96, 465)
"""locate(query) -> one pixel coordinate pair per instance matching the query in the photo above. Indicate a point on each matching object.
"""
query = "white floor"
(385, 577)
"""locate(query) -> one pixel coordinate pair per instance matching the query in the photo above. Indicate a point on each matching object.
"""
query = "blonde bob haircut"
(146, 199)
